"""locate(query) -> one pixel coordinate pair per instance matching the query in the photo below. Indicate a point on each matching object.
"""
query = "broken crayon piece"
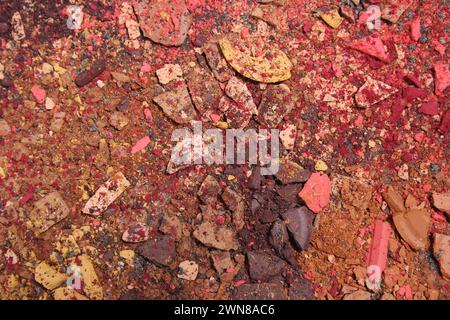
(378, 255)
(141, 144)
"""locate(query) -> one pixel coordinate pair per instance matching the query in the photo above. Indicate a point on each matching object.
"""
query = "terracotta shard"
(164, 21)
(442, 77)
(236, 204)
(442, 202)
(414, 226)
(274, 15)
(394, 200)
(219, 66)
(441, 251)
(160, 250)
(240, 107)
(209, 190)
(263, 266)
(177, 105)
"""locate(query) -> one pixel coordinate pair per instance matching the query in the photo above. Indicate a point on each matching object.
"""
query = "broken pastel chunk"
(106, 194)
(372, 46)
(316, 192)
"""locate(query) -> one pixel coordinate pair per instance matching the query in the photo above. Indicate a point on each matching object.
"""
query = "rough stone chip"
(188, 270)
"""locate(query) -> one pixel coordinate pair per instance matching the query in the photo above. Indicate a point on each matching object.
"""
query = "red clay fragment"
(378, 254)
(445, 124)
(372, 92)
(442, 77)
(372, 46)
(141, 144)
(316, 192)
(415, 29)
(429, 108)
(438, 47)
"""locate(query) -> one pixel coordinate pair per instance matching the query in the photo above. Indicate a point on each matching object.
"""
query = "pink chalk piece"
(439, 47)
(141, 144)
(372, 46)
(438, 217)
(316, 192)
(442, 77)
(419, 136)
(145, 67)
(215, 117)
(359, 121)
(238, 283)
(377, 257)
(148, 115)
(405, 291)
(426, 187)
(415, 29)
(38, 93)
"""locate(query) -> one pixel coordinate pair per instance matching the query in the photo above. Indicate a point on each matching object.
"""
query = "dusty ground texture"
(91, 208)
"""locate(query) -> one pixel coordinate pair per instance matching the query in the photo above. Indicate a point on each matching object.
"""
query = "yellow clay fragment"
(332, 18)
(272, 66)
(67, 294)
(321, 166)
(48, 276)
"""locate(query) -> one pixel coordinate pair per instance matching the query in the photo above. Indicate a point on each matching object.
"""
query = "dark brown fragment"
(94, 71)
